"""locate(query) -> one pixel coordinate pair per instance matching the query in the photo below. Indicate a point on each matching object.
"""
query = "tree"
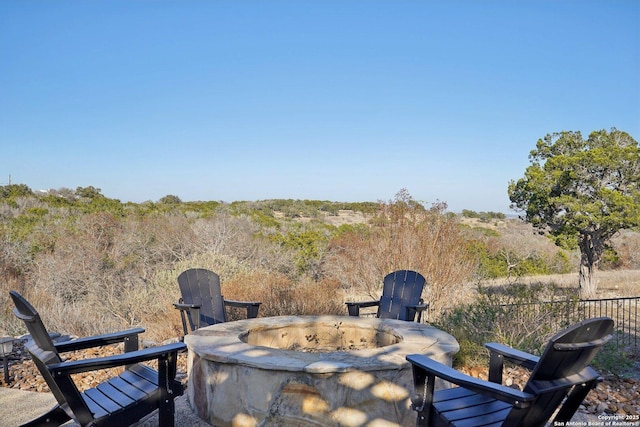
(89, 192)
(582, 192)
(14, 190)
(170, 199)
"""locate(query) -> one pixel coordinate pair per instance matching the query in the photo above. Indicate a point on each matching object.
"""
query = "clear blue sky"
(345, 100)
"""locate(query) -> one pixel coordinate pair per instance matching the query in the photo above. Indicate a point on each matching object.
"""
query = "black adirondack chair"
(401, 297)
(202, 303)
(561, 372)
(119, 401)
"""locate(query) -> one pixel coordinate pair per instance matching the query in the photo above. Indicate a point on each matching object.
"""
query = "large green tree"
(582, 192)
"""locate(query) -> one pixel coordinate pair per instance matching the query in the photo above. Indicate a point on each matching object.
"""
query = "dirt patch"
(347, 217)
(341, 218)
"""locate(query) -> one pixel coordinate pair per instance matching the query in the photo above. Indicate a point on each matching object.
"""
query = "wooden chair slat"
(484, 420)
(115, 394)
(125, 387)
(452, 394)
(106, 403)
(462, 401)
(97, 410)
(140, 382)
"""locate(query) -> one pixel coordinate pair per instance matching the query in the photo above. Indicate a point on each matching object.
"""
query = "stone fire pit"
(316, 371)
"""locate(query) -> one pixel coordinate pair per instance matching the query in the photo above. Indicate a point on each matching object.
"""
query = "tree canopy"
(582, 192)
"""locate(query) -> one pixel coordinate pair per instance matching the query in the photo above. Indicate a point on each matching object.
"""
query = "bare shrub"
(9, 324)
(78, 263)
(404, 236)
(242, 239)
(154, 242)
(99, 274)
(281, 296)
(223, 233)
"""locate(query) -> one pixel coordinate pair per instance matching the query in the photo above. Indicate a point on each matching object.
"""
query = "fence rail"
(559, 314)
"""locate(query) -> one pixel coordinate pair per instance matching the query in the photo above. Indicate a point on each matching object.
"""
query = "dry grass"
(611, 283)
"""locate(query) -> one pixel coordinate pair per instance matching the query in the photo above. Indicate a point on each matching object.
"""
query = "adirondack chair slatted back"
(202, 287)
(400, 288)
(566, 354)
(40, 346)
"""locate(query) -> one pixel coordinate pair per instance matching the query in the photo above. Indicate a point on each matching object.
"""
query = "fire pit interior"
(313, 336)
(313, 370)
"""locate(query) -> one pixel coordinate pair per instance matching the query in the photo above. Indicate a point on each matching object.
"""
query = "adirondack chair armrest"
(436, 369)
(129, 337)
(183, 306)
(354, 307)
(251, 306)
(193, 310)
(421, 306)
(93, 364)
(418, 308)
(521, 358)
(498, 353)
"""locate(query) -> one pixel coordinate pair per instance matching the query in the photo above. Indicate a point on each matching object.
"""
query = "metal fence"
(547, 318)
(624, 312)
(559, 314)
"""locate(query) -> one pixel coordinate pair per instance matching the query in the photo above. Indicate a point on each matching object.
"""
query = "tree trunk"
(587, 281)
(591, 248)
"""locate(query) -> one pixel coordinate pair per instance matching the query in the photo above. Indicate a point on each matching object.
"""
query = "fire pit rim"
(222, 343)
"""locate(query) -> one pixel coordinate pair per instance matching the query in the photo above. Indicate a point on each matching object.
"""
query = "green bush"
(12, 191)
(517, 315)
(308, 244)
(483, 216)
(612, 358)
(508, 263)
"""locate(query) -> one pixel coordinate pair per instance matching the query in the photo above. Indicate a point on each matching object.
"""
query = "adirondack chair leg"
(183, 317)
(496, 365)
(166, 412)
(354, 310)
(411, 314)
(422, 402)
(252, 311)
(195, 318)
(55, 417)
(573, 401)
(131, 343)
(166, 408)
